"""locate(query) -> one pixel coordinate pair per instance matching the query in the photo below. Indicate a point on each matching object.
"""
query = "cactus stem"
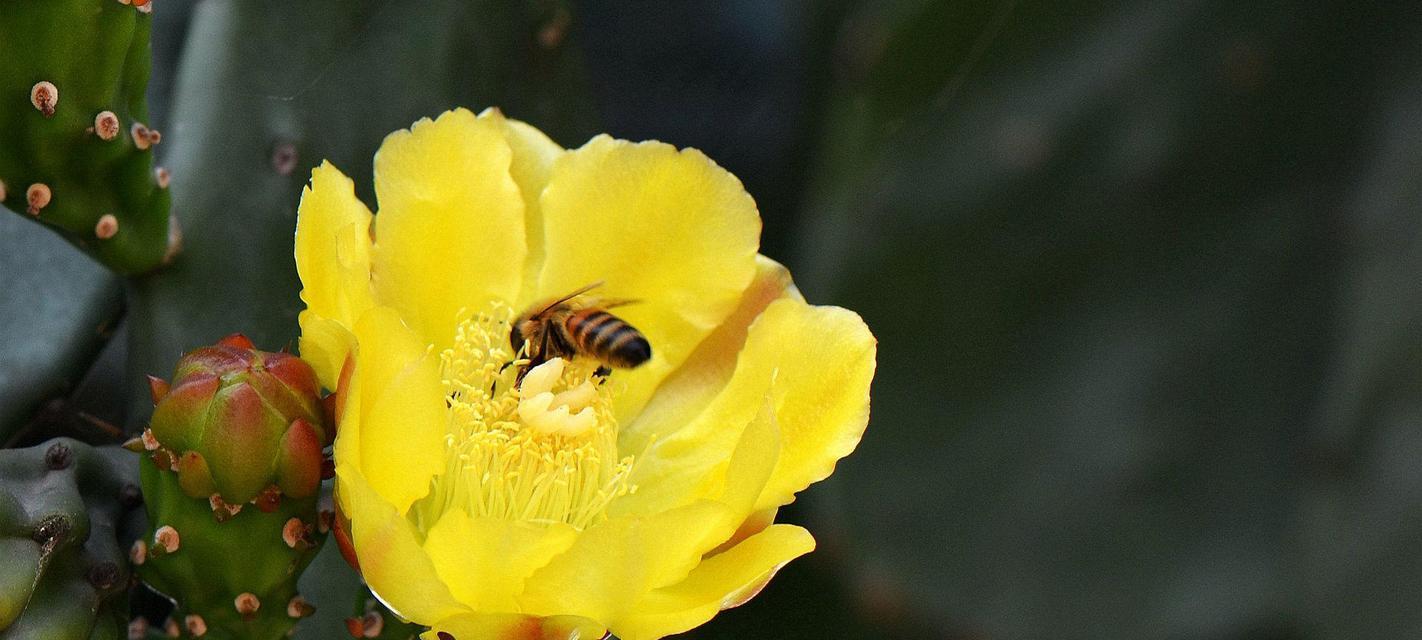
(138, 628)
(106, 227)
(38, 197)
(58, 456)
(157, 388)
(299, 608)
(196, 625)
(162, 177)
(247, 605)
(45, 97)
(165, 540)
(106, 125)
(138, 553)
(139, 132)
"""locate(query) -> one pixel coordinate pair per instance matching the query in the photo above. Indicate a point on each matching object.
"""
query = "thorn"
(552, 34)
(284, 158)
(175, 240)
(130, 496)
(247, 605)
(138, 628)
(163, 459)
(58, 456)
(106, 125)
(106, 227)
(221, 511)
(162, 177)
(171, 629)
(143, 6)
(150, 442)
(134, 444)
(296, 533)
(38, 197)
(268, 499)
(354, 627)
(374, 623)
(125, 1)
(157, 388)
(165, 540)
(102, 576)
(45, 97)
(139, 132)
(299, 608)
(138, 553)
(154, 137)
(195, 624)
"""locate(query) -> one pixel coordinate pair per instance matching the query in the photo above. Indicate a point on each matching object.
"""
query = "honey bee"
(572, 325)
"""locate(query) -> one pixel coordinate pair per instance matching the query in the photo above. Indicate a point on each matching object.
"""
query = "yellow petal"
(687, 391)
(450, 233)
(822, 365)
(391, 559)
(615, 562)
(513, 626)
(533, 157)
(324, 344)
(402, 413)
(719, 582)
(485, 560)
(333, 259)
(815, 363)
(669, 228)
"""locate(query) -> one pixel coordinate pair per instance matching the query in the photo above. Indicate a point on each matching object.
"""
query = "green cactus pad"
(63, 509)
(88, 61)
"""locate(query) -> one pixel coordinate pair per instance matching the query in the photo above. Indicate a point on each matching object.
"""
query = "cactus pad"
(75, 153)
(63, 506)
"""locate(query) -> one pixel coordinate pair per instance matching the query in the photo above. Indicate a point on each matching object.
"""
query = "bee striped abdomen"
(608, 338)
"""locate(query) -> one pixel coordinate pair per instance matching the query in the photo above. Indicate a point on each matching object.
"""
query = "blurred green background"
(1145, 275)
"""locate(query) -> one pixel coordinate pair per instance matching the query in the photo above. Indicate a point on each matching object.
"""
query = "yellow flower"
(644, 504)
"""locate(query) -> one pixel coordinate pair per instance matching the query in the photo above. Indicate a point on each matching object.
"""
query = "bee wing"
(613, 303)
(553, 303)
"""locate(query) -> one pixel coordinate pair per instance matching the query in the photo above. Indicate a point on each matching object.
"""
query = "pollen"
(543, 451)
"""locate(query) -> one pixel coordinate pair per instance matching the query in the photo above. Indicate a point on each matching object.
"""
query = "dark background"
(1144, 275)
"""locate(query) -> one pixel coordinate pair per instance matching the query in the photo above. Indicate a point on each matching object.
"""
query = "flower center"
(544, 451)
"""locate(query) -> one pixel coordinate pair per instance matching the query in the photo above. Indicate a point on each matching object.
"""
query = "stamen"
(544, 452)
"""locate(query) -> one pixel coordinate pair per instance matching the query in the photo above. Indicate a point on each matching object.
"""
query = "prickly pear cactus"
(75, 152)
(64, 507)
(231, 472)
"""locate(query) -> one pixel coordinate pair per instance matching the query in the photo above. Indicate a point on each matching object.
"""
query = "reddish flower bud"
(238, 421)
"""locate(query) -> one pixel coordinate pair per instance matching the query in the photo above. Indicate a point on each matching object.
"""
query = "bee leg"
(602, 371)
